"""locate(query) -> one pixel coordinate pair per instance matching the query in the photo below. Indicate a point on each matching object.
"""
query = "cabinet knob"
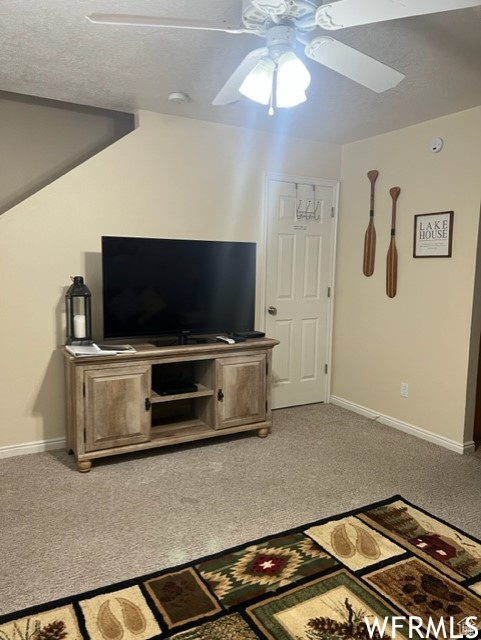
(148, 404)
(220, 395)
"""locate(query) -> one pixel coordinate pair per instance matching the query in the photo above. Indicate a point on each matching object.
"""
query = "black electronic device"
(155, 287)
(248, 334)
(173, 388)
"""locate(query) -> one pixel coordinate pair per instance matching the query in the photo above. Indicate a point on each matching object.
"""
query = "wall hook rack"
(309, 212)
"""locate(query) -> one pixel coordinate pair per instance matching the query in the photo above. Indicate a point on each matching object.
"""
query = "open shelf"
(200, 393)
(183, 410)
(190, 430)
(185, 427)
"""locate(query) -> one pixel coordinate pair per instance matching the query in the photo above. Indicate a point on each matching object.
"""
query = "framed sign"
(433, 235)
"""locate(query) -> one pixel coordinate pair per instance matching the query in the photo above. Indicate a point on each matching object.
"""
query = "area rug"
(387, 570)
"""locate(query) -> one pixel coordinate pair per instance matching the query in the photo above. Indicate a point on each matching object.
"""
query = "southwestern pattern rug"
(327, 580)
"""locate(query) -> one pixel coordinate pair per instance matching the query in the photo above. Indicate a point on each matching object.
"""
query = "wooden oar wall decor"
(391, 263)
(370, 240)
(370, 236)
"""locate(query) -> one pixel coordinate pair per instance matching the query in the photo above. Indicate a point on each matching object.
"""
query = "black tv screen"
(153, 287)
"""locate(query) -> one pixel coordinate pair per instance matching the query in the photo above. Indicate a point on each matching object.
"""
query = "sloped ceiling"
(49, 49)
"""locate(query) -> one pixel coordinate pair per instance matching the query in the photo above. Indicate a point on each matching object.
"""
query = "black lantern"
(79, 316)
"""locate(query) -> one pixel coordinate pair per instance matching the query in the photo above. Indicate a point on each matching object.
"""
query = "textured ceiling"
(49, 49)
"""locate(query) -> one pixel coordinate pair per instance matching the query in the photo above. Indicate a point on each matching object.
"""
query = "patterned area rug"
(327, 580)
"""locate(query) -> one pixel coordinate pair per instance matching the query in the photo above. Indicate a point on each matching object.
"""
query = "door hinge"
(332, 212)
(328, 292)
(325, 368)
(83, 389)
(85, 434)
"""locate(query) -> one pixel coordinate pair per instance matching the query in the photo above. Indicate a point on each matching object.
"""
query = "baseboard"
(467, 447)
(32, 447)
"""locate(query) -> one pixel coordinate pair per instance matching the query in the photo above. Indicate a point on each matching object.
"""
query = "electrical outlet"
(404, 389)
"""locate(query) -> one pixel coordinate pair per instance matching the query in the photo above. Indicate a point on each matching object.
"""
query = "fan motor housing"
(260, 15)
(281, 35)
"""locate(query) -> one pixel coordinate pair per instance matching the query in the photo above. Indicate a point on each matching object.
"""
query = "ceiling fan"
(274, 74)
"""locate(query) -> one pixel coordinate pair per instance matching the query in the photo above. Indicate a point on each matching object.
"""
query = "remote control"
(115, 347)
(108, 347)
(225, 339)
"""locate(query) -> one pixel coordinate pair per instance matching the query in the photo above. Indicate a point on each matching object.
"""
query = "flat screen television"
(154, 287)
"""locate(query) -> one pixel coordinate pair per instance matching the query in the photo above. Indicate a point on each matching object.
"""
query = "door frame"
(322, 182)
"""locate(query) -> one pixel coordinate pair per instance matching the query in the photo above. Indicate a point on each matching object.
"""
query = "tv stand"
(112, 408)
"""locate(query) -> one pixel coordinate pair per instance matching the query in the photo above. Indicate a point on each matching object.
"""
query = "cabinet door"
(116, 411)
(241, 390)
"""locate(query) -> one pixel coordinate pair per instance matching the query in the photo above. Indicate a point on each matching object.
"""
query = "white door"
(300, 230)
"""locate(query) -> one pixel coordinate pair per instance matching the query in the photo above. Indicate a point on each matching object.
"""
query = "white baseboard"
(466, 447)
(32, 447)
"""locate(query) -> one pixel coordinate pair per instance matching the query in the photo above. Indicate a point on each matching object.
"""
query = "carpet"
(337, 578)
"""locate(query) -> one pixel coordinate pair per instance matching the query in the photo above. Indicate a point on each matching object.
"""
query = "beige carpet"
(62, 532)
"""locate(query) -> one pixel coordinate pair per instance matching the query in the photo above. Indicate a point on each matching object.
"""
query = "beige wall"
(422, 336)
(176, 177)
(171, 177)
(42, 139)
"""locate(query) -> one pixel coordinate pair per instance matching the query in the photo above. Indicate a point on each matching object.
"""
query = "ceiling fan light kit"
(280, 78)
(280, 85)
(293, 79)
(274, 74)
(258, 84)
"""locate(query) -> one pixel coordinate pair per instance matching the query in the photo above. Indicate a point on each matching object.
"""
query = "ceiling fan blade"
(351, 13)
(353, 64)
(129, 20)
(230, 91)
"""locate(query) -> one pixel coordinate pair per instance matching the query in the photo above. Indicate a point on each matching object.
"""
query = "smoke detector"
(437, 144)
(177, 97)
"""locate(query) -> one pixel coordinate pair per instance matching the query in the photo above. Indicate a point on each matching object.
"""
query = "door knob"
(272, 311)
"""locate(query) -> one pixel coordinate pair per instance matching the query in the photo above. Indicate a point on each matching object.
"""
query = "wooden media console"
(133, 401)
